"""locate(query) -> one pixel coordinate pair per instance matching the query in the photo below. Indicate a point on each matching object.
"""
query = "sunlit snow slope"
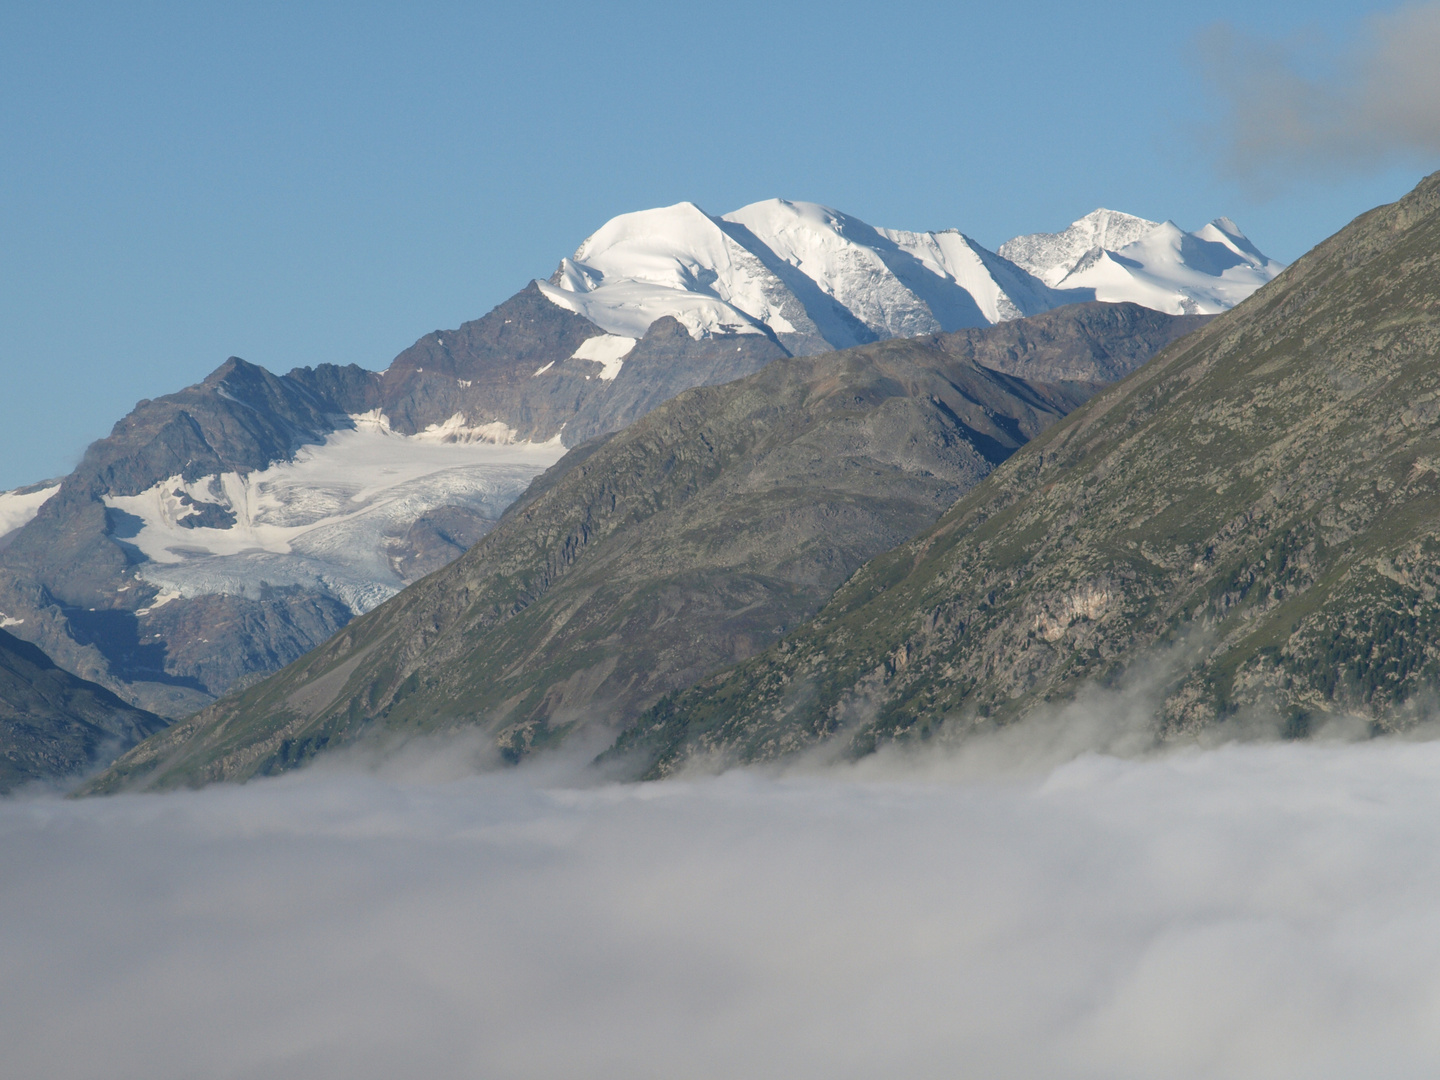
(818, 279)
(1118, 257)
(18, 507)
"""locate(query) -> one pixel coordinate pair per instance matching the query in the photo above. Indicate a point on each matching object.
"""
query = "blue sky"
(304, 183)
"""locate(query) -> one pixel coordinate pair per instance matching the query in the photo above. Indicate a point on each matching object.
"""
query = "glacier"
(331, 518)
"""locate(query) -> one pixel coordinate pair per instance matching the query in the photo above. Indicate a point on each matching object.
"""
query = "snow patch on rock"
(608, 350)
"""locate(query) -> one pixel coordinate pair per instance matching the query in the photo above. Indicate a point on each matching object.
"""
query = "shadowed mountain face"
(1109, 343)
(1251, 522)
(644, 561)
(53, 724)
(517, 366)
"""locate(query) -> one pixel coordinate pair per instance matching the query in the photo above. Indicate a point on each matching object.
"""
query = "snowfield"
(606, 349)
(330, 518)
(1051, 256)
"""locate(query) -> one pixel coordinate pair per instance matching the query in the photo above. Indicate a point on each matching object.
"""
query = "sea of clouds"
(1252, 910)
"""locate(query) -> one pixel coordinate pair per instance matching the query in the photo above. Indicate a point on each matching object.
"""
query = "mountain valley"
(220, 533)
(53, 724)
(690, 540)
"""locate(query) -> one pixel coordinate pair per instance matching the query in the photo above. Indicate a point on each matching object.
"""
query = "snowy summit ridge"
(815, 279)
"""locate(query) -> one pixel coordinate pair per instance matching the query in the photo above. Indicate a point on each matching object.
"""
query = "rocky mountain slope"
(220, 532)
(53, 724)
(690, 540)
(1251, 522)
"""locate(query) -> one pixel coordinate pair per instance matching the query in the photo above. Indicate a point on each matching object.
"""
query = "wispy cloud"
(1251, 911)
(1292, 109)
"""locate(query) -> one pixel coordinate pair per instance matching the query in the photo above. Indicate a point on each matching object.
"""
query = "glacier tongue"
(816, 279)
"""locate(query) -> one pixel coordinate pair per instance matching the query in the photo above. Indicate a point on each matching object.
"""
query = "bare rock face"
(437, 538)
(696, 537)
(517, 366)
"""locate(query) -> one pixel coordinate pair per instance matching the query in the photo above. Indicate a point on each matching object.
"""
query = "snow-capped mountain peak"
(674, 261)
(1225, 231)
(1168, 269)
(858, 267)
(814, 278)
(1051, 256)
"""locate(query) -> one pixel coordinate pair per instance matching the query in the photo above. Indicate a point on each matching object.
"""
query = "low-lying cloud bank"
(1292, 109)
(1249, 911)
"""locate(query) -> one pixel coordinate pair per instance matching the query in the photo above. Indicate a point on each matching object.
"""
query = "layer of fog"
(1293, 108)
(1260, 910)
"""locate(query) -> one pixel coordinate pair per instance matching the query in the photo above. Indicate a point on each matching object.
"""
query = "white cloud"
(1251, 911)
(1292, 109)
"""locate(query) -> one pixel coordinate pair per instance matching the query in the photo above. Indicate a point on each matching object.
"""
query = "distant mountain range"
(221, 532)
(1243, 531)
(690, 540)
(1247, 530)
(817, 279)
